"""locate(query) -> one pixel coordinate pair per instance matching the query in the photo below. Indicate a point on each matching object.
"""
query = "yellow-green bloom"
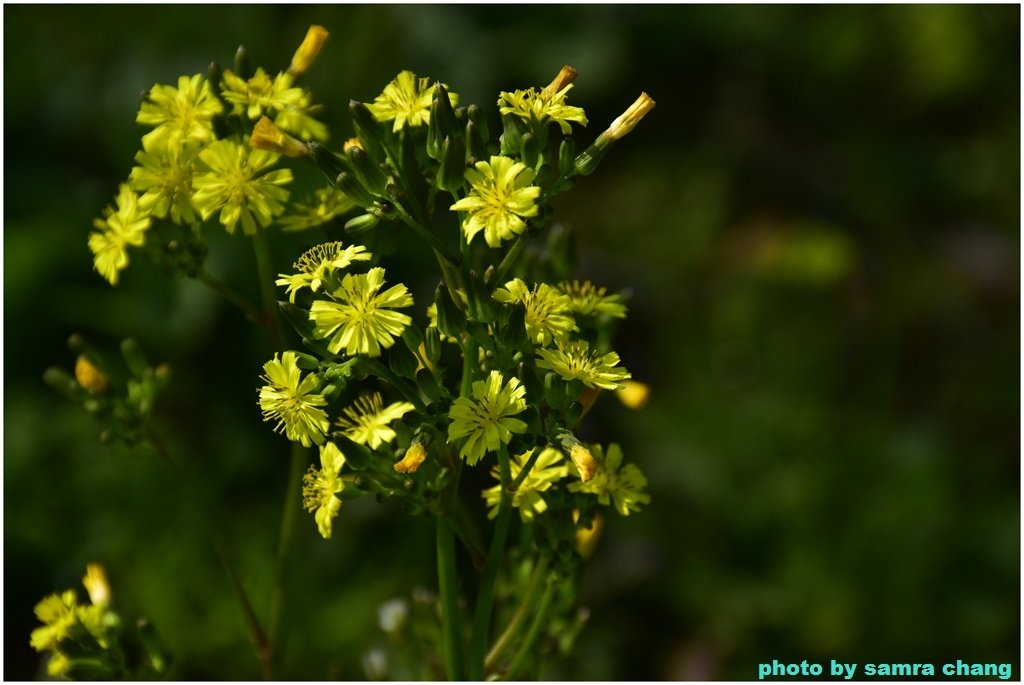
(485, 420)
(165, 180)
(359, 320)
(95, 582)
(548, 311)
(315, 268)
(240, 186)
(314, 41)
(548, 469)
(297, 120)
(293, 401)
(58, 613)
(576, 361)
(260, 93)
(615, 484)
(182, 114)
(320, 487)
(589, 300)
(541, 106)
(499, 199)
(126, 225)
(406, 100)
(367, 423)
(321, 208)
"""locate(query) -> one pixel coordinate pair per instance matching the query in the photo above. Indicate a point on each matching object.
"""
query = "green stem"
(257, 636)
(265, 267)
(527, 603)
(510, 257)
(442, 251)
(447, 584)
(485, 597)
(392, 378)
(539, 620)
(250, 310)
(284, 542)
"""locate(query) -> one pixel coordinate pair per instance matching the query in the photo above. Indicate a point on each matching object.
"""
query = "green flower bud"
(329, 163)
(242, 62)
(452, 174)
(372, 178)
(531, 150)
(412, 336)
(567, 157)
(134, 357)
(481, 304)
(369, 130)
(427, 382)
(361, 224)
(512, 137)
(432, 345)
(402, 361)
(476, 115)
(476, 144)
(451, 321)
(443, 122)
(353, 187)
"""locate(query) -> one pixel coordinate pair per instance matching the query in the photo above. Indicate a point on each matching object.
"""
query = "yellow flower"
(548, 311)
(589, 300)
(182, 114)
(240, 185)
(575, 361)
(627, 121)
(88, 376)
(59, 614)
(615, 484)
(95, 582)
(267, 136)
(165, 180)
(584, 461)
(500, 198)
(634, 394)
(414, 457)
(485, 420)
(319, 487)
(406, 100)
(549, 468)
(121, 227)
(317, 265)
(546, 105)
(260, 93)
(361, 321)
(367, 422)
(314, 41)
(293, 401)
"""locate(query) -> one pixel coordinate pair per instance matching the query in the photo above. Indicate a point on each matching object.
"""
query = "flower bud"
(329, 163)
(311, 45)
(267, 136)
(565, 76)
(90, 377)
(361, 224)
(95, 582)
(450, 319)
(566, 156)
(584, 461)
(628, 120)
(476, 144)
(369, 130)
(511, 137)
(414, 456)
(351, 186)
(369, 173)
(634, 394)
(242, 62)
(351, 143)
(481, 304)
(452, 174)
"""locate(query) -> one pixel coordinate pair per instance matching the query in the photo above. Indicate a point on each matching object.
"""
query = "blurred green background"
(819, 229)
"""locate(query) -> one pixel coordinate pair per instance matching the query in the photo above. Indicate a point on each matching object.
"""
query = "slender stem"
(510, 258)
(527, 603)
(539, 620)
(251, 311)
(447, 584)
(392, 378)
(421, 230)
(485, 597)
(257, 636)
(284, 542)
(265, 267)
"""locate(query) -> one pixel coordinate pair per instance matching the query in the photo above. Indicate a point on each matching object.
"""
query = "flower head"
(165, 180)
(615, 484)
(182, 114)
(634, 394)
(320, 487)
(406, 100)
(95, 582)
(485, 420)
(321, 208)
(414, 457)
(575, 361)
(307, 52)
(583, 460)
(89, 376)
(548, 311)
(367, 423)
(267, 136)
(500, 198)
(590, 300)
(239, 184)
(260, 93)
(358, 319)
(293, 402)
(548, 469)
(121, 227)
(545, 105)
(58, 614)
(627, 121)
(315, 268)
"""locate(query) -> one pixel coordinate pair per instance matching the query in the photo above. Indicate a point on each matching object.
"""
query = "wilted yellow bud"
(634, 394)
(89, 377)
(586, 538)
(351, 143)
(414, 456)
(308, 51)
(95, 582)
(584, 461)
(628, 120)
(267, 136)
(566, 76)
